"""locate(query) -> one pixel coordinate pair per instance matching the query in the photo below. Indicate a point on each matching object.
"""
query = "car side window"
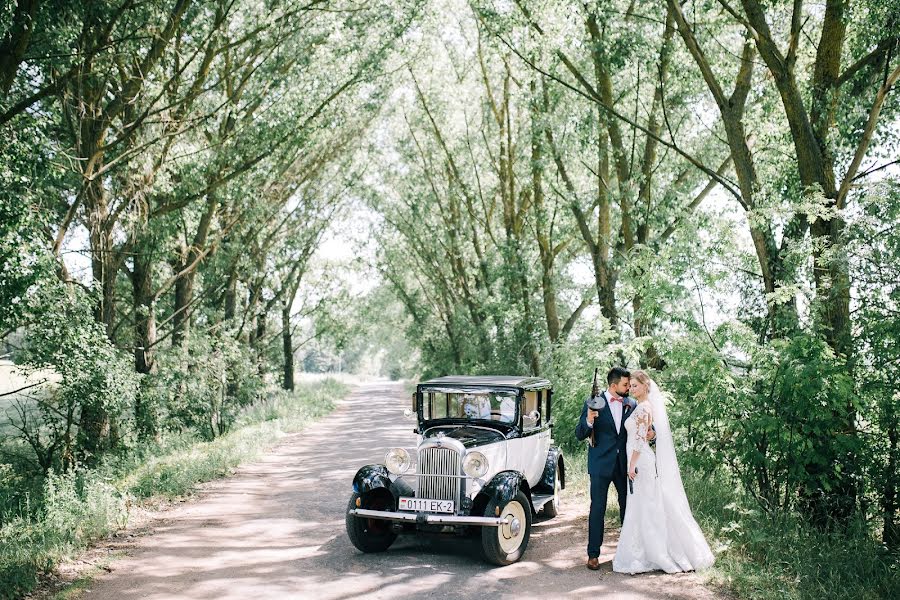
(531, 403)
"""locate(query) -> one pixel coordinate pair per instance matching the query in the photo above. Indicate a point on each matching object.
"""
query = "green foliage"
(23, 264)
(875, 251)
(760, 555)
(65, 339)
(200, 386)
(772, 421)
(78, 507)
(572, 371)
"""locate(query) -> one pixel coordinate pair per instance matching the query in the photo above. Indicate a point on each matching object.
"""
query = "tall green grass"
(766, 557)
(81, 507)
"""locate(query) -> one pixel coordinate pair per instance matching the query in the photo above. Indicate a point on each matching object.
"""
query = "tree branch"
(866, 139)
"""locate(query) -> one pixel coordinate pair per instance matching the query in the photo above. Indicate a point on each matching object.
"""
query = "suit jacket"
(608, 455)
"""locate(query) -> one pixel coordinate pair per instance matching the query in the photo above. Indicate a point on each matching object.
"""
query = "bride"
(659, 532)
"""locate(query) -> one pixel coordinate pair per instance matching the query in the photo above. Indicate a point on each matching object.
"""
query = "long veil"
(666, 461)
(684, 533)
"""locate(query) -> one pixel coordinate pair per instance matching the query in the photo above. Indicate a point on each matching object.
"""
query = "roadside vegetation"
(73, 508)
(762, 556)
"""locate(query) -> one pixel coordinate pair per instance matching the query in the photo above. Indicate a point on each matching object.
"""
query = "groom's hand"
(591, 415)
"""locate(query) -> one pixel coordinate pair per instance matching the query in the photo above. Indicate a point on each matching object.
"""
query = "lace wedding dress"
(659, 532)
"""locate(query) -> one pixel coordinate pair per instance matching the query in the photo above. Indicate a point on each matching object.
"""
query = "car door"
(535, 437)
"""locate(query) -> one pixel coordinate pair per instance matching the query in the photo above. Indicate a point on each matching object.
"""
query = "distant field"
(13, 378)
(348, 378)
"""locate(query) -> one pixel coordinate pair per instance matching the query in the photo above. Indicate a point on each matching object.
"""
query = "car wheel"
(369, 535)
(551, 509)
(506, 544)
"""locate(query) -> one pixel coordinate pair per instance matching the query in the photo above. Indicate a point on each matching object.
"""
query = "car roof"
(518, 381)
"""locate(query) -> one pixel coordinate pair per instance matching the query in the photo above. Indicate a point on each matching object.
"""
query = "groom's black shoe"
(593, 564)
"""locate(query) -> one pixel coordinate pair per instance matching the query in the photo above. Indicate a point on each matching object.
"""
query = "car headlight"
(475, 464)
(397, 461)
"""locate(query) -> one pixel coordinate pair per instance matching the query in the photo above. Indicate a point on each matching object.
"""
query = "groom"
(606, 455)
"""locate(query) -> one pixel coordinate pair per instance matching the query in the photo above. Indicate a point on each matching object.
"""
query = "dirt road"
(276, 530)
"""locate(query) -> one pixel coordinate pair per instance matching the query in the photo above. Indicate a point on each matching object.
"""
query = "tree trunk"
(144, 336)
(231, 296)
(260, 342)
(15, 42)
(181, 317)
(287, 346)
(94, 420)
(544, 237)
(144, 313)
(891, 533)
(187, 267)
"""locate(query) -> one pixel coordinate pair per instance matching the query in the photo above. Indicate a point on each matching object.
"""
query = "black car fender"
(548, 479)
(372, 478)
(502, 488)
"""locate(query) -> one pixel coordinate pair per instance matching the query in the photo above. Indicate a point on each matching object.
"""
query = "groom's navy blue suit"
(607, 464)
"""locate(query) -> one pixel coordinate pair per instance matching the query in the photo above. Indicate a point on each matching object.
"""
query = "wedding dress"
(659, 532)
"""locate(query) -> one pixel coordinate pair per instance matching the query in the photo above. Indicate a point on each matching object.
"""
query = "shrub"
(94, 377)
(571, 371)
(78, 507)
(201, 386)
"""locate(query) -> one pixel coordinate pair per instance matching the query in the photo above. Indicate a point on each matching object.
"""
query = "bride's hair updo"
(642, 377)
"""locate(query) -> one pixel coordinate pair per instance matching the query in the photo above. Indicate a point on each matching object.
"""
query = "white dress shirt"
(616, 409)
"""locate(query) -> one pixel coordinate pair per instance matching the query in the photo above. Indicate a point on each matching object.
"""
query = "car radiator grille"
(435, 464)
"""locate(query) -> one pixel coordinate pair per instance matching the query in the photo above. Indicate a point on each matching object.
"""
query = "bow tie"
(616, 399)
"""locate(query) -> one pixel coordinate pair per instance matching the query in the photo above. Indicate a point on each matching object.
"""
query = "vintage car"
(485, 465)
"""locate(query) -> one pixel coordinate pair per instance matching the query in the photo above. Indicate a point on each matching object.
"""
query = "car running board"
(539, 500)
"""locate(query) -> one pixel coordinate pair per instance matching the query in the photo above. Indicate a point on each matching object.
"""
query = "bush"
(201, 386)
(571, 371)
(779, 423)
(78, 507)
(94, 378)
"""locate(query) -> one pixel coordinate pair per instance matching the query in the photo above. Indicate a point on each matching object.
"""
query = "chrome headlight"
(475, 464)
(397, 461)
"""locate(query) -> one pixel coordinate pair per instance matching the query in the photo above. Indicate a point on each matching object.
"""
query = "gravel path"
(276, 530)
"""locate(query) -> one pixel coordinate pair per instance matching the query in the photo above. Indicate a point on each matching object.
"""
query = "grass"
(82, 507)
(764, 557)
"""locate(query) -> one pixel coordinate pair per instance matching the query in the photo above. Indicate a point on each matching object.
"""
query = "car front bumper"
(428, 518)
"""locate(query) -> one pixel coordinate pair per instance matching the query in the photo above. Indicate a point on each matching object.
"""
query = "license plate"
(426, 505)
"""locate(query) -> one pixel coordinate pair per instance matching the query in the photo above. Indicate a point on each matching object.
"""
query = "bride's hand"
(632, 473)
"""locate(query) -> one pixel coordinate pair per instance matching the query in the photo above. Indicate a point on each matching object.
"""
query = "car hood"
(470, 436)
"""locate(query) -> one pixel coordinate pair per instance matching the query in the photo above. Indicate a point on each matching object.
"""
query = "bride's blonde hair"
(641, 376)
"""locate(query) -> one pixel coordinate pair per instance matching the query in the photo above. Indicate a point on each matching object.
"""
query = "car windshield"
(488, 405)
